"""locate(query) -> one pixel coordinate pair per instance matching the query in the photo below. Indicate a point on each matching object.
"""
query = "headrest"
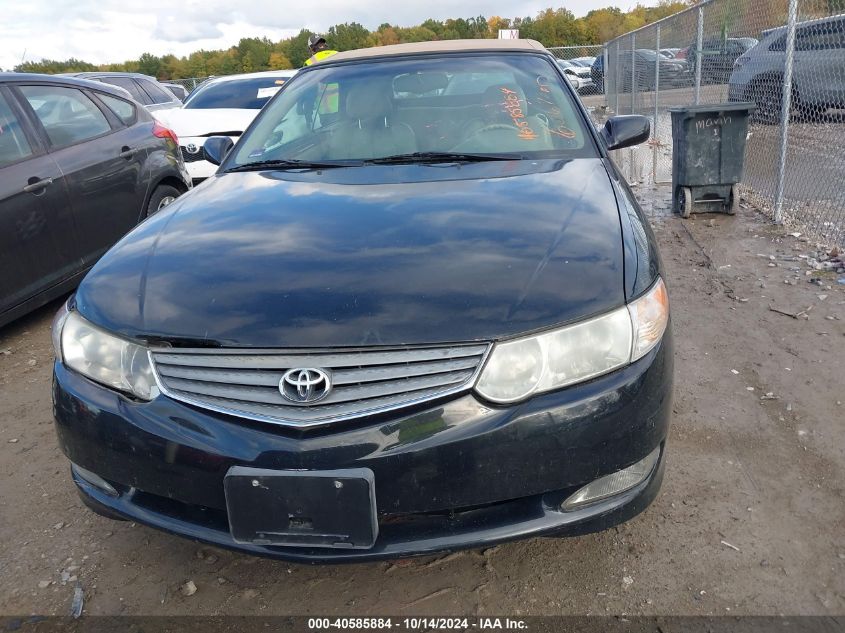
(365, 102)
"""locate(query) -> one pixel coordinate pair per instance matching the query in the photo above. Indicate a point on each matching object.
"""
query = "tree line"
(551, 27)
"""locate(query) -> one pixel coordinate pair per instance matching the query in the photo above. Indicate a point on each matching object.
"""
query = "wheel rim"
(164, 202)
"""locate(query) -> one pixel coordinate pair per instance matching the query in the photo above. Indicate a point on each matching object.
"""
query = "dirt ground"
(751, 518)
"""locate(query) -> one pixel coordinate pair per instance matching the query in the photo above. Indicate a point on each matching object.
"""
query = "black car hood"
(427, 254)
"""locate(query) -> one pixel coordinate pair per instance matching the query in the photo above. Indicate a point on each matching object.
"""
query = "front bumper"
(453, 475)
(198, 168)
(586, 85)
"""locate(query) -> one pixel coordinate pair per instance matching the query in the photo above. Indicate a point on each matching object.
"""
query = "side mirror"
(625, 130)
(215, 149)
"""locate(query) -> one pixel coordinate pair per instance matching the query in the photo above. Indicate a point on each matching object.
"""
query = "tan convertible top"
(442, 46)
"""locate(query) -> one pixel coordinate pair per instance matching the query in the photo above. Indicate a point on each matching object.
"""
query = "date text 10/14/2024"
(417, 624)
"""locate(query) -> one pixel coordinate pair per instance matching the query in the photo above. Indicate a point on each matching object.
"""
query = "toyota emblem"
(305, 386)
(192, 148)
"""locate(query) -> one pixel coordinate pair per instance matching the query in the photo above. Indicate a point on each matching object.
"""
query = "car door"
(819, 59)
(835, 64)
(102, 160)
(37, 234)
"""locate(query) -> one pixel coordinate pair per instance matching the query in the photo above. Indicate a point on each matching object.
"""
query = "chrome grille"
(191, 158)
(245, 383)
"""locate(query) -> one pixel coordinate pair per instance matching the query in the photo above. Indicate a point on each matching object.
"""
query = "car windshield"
(512, 105)
(242, 94)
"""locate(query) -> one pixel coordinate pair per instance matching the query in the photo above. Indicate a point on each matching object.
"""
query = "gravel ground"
(751, 518)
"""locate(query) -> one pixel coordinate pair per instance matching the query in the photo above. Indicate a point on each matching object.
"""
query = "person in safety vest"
(328, 98)
(319, 49)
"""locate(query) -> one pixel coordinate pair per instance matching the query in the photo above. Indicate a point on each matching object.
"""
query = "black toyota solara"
(416, 309)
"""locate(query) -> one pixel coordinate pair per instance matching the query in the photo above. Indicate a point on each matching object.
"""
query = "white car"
(578, 76)
(222, 106)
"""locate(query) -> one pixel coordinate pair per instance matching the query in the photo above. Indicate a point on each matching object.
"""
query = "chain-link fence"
(188, 84)
(786, 56)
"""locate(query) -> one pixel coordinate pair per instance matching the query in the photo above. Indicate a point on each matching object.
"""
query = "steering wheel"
(483, 130)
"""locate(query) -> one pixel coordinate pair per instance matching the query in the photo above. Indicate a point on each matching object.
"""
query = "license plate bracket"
(293, 508)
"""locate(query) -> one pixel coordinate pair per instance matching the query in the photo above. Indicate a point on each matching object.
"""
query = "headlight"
(575, 353)
(104, 358)
(649, 316)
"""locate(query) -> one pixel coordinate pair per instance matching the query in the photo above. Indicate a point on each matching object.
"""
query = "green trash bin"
(708, 152)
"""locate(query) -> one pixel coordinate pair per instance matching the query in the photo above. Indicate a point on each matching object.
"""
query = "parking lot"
(750, 520)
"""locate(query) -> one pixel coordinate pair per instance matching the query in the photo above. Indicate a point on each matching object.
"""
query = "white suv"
(818, 76)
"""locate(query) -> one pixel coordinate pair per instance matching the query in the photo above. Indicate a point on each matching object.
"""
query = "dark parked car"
(143, 88)
(177, 89)
(673, 72)
(719, 55)
(393, 322)
(80, 165)
(597, 73)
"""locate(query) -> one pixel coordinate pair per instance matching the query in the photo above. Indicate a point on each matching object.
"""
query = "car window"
(779, 44)
(13, 143)
(177, 90)
(157, 94)
(67, 114)
(818, 37)
(124, 110)
(490, 104)
(127, 84)
(241, 94)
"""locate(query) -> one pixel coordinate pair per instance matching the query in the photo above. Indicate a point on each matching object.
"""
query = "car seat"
(367, 129)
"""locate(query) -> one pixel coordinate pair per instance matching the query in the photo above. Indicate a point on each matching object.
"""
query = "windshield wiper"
(293, 163)
(440, 157)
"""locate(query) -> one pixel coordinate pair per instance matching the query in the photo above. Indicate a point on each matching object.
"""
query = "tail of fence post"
(699, 45)
(633, 70)
(604, 74)
(656, 103)
(616, 71)
(786, 108)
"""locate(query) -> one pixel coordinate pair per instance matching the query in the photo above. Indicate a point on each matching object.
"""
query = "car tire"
(162, 196)
(767, 94)
(684, 201)
(733, 201)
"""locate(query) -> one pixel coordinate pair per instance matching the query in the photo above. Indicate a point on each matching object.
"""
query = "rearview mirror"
(625, 130)
(215, 149)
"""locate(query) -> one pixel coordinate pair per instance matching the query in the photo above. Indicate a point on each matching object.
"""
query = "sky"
(104, 31)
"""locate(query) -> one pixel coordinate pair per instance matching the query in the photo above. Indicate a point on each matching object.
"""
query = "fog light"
(95, 480)
(613, 484)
